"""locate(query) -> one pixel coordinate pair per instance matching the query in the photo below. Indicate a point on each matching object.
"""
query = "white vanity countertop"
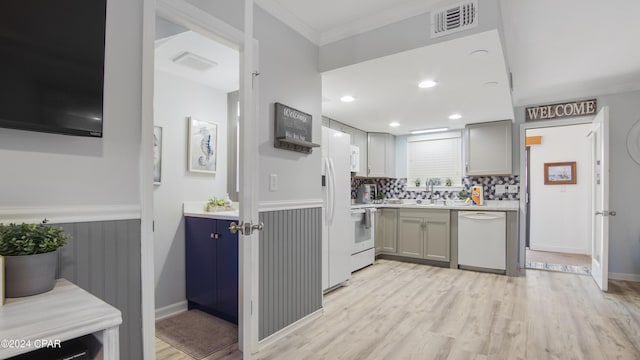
(490, 205)
(197, 209)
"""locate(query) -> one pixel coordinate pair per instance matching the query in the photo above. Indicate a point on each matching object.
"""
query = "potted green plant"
(417, 182)
(31, 257)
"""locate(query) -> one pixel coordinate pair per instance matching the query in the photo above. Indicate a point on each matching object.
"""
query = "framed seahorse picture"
(203, 146)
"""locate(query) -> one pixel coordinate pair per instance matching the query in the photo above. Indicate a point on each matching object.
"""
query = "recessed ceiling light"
(479, 52)
(429, 131)
(455, 116)
(427, 84)
(491, 83)
(394, 124)
(347, 98)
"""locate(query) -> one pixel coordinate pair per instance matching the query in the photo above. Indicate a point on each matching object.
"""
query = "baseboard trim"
(273, 338)
(559, 249)
(625, 277)
(171, 310)
(289, 205)
(70, 214)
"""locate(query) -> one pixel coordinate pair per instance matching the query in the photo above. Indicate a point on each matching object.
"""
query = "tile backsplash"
(397, 188)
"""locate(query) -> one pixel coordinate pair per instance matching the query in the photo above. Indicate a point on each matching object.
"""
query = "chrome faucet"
(430, 189)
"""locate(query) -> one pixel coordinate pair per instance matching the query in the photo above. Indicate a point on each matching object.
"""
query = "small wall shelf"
(293, 129)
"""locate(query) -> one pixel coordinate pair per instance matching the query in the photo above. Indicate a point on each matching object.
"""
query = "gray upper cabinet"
(381, 155)
(488, 148)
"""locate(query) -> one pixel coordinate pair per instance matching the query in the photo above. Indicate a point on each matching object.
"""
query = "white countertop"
(197, 209)
(490, 205)
(64, 313)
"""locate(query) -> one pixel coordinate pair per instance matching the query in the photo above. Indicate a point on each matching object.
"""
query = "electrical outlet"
(513, 189)
(273, 182)
(501, 189)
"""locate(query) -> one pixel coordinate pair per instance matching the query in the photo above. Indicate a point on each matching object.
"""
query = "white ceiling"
(556, 50)
(571, 48)
(224, 76)
(386, 89)
(326, 21)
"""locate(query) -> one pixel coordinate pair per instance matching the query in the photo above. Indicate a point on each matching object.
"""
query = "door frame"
(523, 192)
(182, 13)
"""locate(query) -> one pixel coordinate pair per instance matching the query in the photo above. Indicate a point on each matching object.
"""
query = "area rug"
(584, 270)
(197, 333)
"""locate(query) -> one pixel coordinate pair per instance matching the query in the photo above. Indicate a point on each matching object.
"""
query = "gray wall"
(175, 99)
(289, 75)
(49, 170)
(624, 245)
(104, 259)
(53, 170)
(401, 36)
(290, 267)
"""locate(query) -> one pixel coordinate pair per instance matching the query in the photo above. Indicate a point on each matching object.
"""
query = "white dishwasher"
(482, 239)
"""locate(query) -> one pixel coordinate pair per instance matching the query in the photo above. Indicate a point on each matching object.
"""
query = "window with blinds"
(435, 156)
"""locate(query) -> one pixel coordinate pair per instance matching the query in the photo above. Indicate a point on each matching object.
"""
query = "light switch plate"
(273, 182)
(501, 189)
(513, 189)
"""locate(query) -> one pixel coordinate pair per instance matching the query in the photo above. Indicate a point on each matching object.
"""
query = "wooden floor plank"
(395, 310)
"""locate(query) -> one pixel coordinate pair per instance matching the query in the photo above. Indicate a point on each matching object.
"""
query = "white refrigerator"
(337, 228)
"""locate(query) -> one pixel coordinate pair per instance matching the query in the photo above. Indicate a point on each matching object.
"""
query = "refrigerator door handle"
(333, 189)
(327, 193)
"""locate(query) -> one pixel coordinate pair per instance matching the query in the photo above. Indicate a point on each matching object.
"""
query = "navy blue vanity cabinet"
(211, 257)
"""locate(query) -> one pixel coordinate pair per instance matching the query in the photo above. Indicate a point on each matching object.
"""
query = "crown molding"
(283, 14)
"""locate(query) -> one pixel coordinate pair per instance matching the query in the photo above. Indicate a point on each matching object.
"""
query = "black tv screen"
(52, 65)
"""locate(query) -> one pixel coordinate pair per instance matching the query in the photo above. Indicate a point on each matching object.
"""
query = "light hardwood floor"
(395, 310)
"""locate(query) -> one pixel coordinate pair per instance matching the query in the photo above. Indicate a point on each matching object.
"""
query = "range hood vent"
(454, 18)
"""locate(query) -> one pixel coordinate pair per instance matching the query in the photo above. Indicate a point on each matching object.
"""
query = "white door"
(600, 199)
(248, 196)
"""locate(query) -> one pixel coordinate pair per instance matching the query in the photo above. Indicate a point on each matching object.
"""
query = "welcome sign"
(562, 110)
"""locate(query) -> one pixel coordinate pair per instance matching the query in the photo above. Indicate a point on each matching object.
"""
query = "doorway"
(196, 107)
(558, 198)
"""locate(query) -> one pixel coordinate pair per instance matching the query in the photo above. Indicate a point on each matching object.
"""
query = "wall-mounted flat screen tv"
(52, 65)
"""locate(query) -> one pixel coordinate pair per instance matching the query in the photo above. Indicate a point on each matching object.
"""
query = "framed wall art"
(203, 145)
(157, 155)
(560, 173)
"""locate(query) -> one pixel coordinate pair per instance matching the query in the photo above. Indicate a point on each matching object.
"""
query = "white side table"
(64, 313)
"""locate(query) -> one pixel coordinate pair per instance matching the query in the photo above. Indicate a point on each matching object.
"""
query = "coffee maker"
(366, 193)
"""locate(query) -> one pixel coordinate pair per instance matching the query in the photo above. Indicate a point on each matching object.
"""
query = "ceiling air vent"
(454, 18)
(194, 61)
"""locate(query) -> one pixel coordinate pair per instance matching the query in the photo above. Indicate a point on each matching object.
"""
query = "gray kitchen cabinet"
(386, 231)
(381, 154)
(411, 235)
(488, 148)
(437, 238)
(424, 234)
